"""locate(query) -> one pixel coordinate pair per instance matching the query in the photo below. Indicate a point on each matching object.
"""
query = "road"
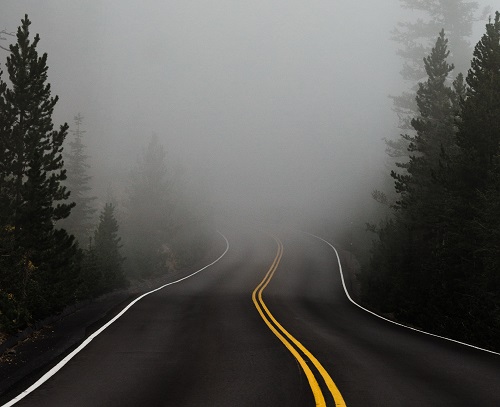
(205, 342)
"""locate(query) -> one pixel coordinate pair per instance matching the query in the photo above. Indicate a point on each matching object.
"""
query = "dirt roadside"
(25, 357)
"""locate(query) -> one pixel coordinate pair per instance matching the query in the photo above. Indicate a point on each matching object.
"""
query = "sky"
(279, 103)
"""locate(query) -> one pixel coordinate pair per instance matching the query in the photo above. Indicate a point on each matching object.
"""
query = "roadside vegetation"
(435, 261)
(435, 258)
(54, 250)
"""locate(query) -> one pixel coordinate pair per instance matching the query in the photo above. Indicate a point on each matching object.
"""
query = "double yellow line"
(293, 345)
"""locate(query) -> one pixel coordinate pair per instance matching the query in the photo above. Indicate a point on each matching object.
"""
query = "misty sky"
(281, 101)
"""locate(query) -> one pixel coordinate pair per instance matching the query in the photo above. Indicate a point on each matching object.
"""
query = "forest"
(435, 261)
(60, 244)
(430, 253)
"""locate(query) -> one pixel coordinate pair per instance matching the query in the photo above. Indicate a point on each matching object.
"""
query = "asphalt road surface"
(262, 327)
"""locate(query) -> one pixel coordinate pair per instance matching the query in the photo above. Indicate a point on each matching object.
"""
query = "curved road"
(203, 342)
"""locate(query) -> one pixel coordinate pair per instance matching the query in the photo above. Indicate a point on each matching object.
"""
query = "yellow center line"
(268, 317)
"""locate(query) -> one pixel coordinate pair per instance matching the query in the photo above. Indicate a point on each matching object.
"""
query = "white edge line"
(389, 320)
(66, 359)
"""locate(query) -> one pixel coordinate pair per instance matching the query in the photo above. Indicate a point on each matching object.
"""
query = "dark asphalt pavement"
(202, 343)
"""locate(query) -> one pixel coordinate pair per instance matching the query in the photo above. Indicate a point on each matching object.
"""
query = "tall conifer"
(478, 186)
(479, 127)
(405, 265)
(79, 223)
(107, 245)
(31, 175)
(416, 38)
(434, 126)
(149, 210)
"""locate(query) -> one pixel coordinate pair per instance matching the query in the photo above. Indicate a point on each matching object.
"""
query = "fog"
(269, 104)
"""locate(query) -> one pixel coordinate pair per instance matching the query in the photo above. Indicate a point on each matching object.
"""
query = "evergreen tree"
(4, 164)
(190, 227)
(33, 168)
(478, 138)
(107, 246)
(479, 127)
(456, 17)
(477, 189)
(79, 223)
(486, 226)
(435, 130)
(405, 265)
(31, 174)
(149, 211)
(416, 38)
(436, 263)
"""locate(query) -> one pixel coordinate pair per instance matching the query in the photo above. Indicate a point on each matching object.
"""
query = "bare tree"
(3, 33)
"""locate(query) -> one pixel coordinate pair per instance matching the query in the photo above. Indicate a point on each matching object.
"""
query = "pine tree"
(107, 251)
(456, 17)
(416, 38)
(486, 226)
(477, 190)
(149, 211)
(34, 166)
(479, 127)
(4, 164)
(31, 173)
(190, 227)
(436, 263)
(435, 130)
(404, 265)
(80, 222)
